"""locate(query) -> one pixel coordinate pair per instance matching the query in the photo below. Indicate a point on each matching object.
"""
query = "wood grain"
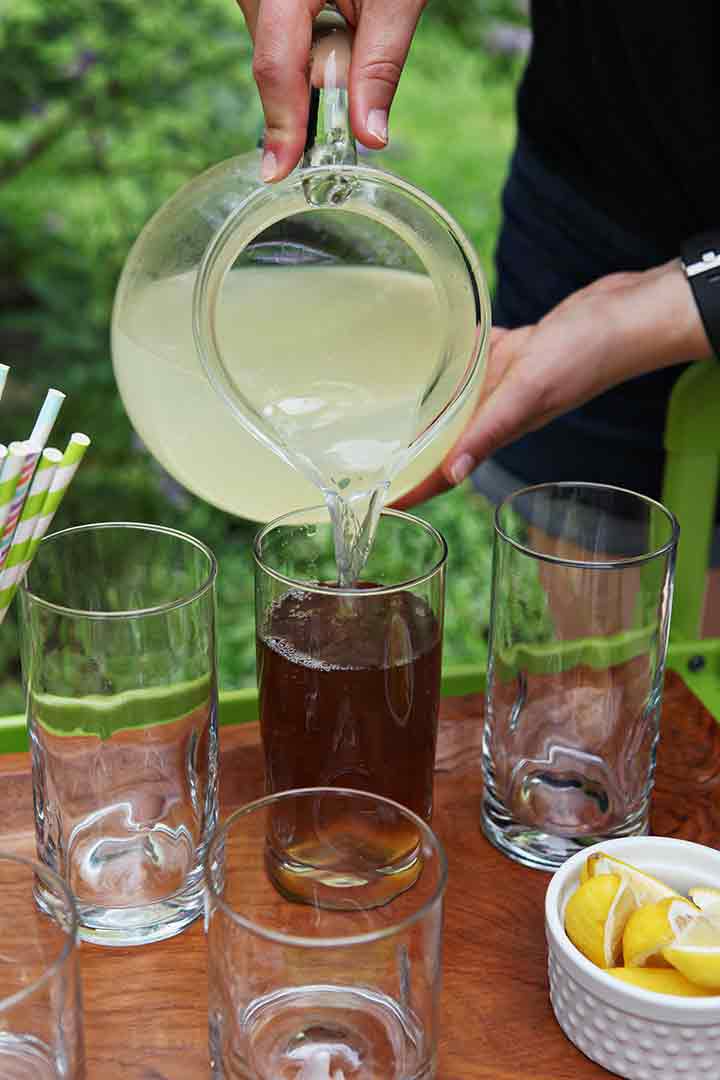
(145, 1009)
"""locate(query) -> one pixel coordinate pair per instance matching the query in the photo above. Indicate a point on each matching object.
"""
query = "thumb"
(510, 405)
(382, 41)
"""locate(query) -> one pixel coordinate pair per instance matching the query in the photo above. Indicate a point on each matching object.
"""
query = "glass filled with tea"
(348, 679)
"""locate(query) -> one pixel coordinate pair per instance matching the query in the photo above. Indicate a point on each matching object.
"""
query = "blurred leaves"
(105, 109)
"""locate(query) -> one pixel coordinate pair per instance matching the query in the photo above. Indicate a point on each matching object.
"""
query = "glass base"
(141, 924)
(322, 1033)
(313, 876)
(542, 850)
(24, 1057)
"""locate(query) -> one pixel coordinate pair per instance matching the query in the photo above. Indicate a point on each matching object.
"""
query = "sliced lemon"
(660, 980)
(595, 918)
(706, 897)
(644, 888)
(695, 950)
(649, 930)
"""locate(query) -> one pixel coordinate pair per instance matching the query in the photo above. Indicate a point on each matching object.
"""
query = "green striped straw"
(27, 523)
(42, 515)
(38, 438)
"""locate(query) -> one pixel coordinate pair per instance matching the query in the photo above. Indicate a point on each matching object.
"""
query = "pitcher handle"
(330, 140)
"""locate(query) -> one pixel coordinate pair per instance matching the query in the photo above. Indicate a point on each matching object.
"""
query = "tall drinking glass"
(41, 1023)
(349, 678)
(119, 664)
(582, 592)
(314, 991)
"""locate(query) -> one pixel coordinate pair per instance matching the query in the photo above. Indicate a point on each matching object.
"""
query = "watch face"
(701, 253)
(701, 260)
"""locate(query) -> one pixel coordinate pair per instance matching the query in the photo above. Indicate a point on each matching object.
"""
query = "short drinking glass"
(349, 678)
(327, 989)
(118, 651)
(41, 1023)
(582, 590)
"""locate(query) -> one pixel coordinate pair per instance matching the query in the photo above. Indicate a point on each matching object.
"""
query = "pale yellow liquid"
(334, 359)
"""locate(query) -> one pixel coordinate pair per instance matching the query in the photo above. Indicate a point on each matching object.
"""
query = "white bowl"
(635, 1033)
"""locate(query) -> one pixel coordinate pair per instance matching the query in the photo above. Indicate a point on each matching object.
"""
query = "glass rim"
(587, 564)
(71, 935)
(296, 940)
(130, 613)
(352, 591)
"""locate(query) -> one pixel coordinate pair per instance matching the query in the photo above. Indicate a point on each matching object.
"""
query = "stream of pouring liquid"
(336, 361)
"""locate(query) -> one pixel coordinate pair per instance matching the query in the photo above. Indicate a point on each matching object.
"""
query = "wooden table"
(145, 1009)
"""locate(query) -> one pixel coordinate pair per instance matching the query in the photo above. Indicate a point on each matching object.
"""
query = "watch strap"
(701, 260)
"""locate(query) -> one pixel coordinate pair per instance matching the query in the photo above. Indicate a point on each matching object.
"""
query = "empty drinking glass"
(582, 590)
(41, 1026)
(118, 651)
(345, 985)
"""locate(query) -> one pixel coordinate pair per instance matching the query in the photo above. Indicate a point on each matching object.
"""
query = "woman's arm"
(621, 326)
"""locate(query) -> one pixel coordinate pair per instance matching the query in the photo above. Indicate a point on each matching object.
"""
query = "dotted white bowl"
(635, 1033)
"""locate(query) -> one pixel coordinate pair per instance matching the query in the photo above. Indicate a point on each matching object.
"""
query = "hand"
(620, 326)
(282, 34)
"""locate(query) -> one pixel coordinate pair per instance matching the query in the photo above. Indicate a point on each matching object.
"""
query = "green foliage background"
(105, 110)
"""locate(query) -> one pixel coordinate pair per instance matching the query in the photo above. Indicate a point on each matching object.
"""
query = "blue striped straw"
(46, 419)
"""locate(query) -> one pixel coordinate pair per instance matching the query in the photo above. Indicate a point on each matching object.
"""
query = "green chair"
(692, 471)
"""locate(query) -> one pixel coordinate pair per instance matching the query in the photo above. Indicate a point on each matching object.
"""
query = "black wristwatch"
(701, 260)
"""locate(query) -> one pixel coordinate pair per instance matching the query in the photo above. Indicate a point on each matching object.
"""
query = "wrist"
(666, 318)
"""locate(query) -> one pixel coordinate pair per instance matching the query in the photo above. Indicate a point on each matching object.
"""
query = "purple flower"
(81, 64)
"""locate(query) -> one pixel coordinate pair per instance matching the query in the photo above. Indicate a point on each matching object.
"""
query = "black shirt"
(621, 98)
(618, 163)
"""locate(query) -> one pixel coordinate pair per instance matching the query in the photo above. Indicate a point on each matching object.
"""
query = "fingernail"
(377, 124)
(461, 468)
(269, 165)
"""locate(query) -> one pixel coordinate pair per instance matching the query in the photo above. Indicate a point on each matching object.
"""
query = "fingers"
(510, 403)
(432, 485)
(382, 40)
(462, 459)
(283, 36)
(282, 33)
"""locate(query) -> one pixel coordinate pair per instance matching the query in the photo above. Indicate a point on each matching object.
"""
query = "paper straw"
(9, 475)
(4, 372)
(74, 453)
(14, 510)
(40, 435)
(46, 419)
(32, 511)
(64, 473)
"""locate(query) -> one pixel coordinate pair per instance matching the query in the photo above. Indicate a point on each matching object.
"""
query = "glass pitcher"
(341, 316)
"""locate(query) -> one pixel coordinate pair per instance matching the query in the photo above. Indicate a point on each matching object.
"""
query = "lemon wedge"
(695, 949)
(595, 917)
(659, 980)
(644, 888)
(649, 930)
(707, 898)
